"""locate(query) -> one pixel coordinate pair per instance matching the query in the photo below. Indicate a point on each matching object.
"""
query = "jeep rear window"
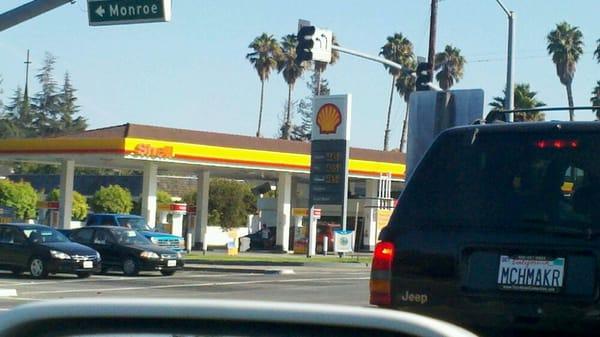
(506, 180)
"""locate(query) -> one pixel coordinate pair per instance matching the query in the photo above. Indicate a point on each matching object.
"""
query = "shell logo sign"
(329, 118)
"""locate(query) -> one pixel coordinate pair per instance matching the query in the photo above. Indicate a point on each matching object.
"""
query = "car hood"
(151, 248)
(150, 234)
(71, 248)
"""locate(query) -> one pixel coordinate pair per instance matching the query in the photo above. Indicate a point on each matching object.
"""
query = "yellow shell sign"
(329, 118)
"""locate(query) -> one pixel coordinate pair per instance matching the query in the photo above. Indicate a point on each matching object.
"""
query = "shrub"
(112, 199)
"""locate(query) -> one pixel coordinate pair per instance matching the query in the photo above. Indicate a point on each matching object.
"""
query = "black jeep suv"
(498, 227)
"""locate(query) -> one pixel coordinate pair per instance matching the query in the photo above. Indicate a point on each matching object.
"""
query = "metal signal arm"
(28, 11)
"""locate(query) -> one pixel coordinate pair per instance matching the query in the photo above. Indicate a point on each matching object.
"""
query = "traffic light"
(314, 44)
(423, 76)
(306, 42)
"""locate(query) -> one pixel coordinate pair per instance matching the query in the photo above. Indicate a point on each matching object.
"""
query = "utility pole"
(27, 63)
(510, 63)
(432, 36)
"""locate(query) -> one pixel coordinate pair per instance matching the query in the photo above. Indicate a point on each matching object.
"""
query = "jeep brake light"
(381, 272)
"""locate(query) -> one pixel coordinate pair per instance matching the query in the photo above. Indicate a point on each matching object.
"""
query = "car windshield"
(44, 235)
(129, 237)
(139, 224)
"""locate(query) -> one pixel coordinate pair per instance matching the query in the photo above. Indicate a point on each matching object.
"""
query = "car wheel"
(130, 267)
(167, 272)
(37, 268)
(83, 275)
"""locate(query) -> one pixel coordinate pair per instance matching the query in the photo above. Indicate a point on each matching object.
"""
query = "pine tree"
(68, 109)
(47, 100)
(302, 131)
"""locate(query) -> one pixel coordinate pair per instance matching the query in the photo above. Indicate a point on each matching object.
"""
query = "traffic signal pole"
(382, 61)
(28, 11)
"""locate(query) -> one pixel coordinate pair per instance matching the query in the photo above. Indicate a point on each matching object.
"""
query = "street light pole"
(510, 63)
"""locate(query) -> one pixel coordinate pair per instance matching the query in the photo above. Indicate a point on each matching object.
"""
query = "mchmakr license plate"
(531, 273)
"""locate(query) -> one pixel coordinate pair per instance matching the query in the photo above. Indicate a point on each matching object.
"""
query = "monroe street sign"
(116, 12)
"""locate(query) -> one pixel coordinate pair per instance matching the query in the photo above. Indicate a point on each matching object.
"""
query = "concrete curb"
(239, 270)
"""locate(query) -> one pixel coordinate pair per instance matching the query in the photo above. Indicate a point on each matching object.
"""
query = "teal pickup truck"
(172, 242)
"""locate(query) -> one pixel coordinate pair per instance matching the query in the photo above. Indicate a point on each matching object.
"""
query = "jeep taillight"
(381, 274)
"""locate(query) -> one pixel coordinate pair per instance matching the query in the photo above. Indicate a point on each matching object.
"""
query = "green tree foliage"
(46, 101)
(303, 130)
(68, 108)
(112, 199)
(80, 206)
(291, 71)
(565, 45)
(405, 85)
(20, 196)
(265, 53)
(163, 197)
(397, 49)
(229, 203)
(450, 66)
(524, 98)
(595, 99)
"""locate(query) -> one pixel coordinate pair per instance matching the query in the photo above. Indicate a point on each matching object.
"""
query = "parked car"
(41, 250)
(170, 241)
(127, 249)
(323, 230)
(258, 243)
(498, 227)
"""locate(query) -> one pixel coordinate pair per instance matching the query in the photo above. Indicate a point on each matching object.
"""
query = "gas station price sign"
(330, 150)
(328, 172)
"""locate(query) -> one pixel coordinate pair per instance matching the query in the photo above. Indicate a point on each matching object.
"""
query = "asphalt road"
(331, 285)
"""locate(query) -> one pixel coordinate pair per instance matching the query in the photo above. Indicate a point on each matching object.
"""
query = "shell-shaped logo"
(329, 118)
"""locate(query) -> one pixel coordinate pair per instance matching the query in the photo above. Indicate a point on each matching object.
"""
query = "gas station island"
(373, 176)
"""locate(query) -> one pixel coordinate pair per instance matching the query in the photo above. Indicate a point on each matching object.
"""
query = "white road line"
(100, 290)
(101, 278)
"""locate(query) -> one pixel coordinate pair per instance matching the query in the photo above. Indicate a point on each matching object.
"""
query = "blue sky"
(192, 72)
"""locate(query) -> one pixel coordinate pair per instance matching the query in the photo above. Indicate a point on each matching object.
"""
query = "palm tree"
(291, 72)
(595, 99)
(405, 84)
(320, 67)
(450, 67)
(597, 52)
(264, 58)
(565, 44)
(397, 49)
(524, 98)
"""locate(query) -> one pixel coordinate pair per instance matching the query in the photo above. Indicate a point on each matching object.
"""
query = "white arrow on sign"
(100, 11)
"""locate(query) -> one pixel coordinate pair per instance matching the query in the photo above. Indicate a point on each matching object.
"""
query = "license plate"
(88, 264)
(531, 273)
(171, 263)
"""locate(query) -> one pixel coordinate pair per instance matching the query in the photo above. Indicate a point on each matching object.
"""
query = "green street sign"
(117, 12)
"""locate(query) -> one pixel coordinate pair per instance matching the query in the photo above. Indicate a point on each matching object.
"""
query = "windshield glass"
(509, 181)
(44, 235)
(129, 237)
(139, 224)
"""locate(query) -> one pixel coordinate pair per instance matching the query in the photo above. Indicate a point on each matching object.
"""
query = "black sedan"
(41, 250)
(128, 250)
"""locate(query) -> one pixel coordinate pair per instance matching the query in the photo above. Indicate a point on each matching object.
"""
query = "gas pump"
(48, 213)
(173, 212)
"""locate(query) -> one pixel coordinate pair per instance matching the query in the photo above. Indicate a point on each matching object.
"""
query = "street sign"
(117, 12)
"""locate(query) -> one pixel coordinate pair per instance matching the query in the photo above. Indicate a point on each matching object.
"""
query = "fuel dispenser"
(170, 216)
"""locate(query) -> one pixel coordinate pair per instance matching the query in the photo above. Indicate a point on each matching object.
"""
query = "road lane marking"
(8, 293)
(101, 278)
(191, 285)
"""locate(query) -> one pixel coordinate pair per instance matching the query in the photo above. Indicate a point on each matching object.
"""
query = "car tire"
(130, 267)
(167, 272)
(37, 267)
(84, 275)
